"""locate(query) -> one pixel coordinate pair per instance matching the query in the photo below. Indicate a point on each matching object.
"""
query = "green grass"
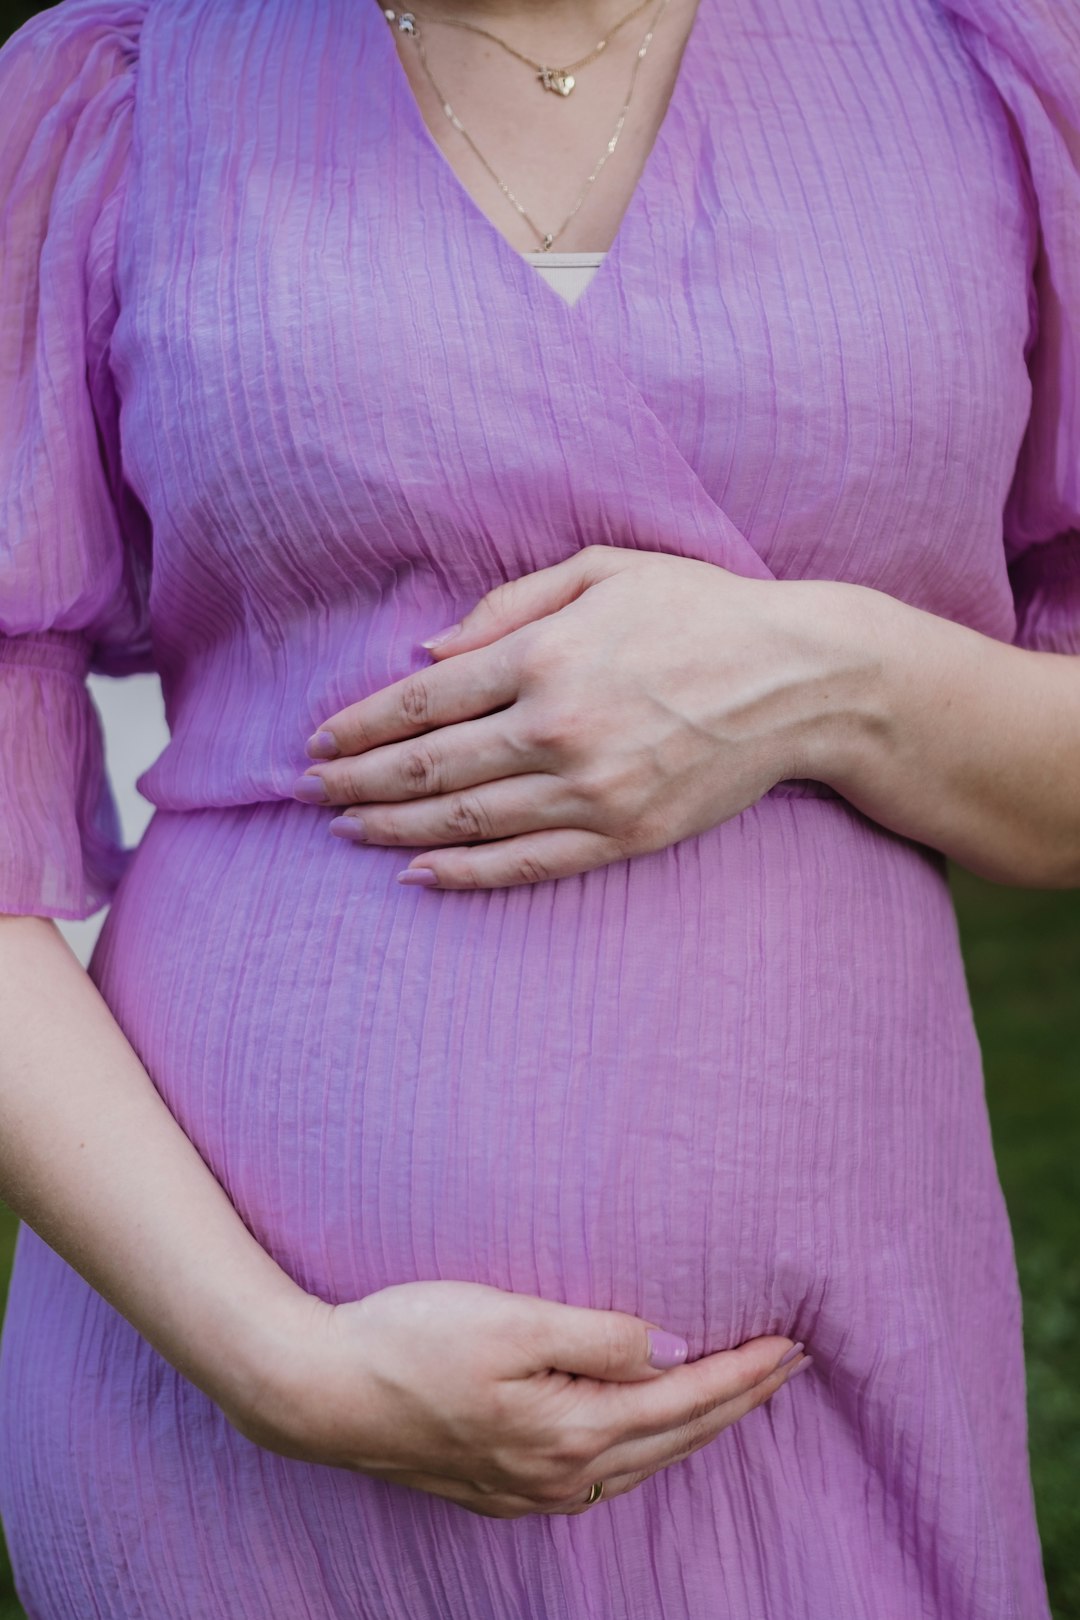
(1023, 955)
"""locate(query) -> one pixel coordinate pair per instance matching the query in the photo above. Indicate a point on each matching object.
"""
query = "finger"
(622, 1468)
(614, 1485)
(687, 1394)
(492, 1503)
(643, 1467)
(612, 1346)
(518, 804)
(460, 689)
(528, 858)
(532, 596)
(566, 1497)
(486, 749)
(662, 1450)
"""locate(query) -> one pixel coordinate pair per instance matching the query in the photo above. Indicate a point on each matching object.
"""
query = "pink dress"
(276, 401)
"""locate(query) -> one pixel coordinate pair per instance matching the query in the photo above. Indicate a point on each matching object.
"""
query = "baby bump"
(708, 1085)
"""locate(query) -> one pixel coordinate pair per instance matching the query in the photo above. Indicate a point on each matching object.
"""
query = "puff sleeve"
(74, 540)
(1030, 51)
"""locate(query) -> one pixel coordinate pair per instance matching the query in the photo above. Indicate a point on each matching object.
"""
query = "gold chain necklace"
(560, 80)
(407, 24)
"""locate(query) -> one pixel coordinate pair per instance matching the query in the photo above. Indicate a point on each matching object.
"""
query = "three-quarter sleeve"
(74, 540)
(1030, 51)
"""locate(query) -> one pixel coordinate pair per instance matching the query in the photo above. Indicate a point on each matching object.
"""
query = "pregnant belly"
(730, 1086)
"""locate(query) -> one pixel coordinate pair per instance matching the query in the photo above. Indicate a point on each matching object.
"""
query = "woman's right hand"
(504, 1403)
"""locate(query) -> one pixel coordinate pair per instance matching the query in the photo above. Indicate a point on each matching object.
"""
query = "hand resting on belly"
(622, 700)
(504, 1403)
(607, 706)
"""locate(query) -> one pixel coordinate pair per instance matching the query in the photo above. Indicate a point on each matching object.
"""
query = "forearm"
(92, 1159)
(954, 739)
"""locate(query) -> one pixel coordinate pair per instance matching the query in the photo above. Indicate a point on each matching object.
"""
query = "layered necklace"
(560, 81)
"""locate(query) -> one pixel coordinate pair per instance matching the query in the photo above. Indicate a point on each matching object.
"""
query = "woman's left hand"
(607, 706)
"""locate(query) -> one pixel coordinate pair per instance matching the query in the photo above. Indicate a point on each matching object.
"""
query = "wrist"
(260, 1388)
(851, 632)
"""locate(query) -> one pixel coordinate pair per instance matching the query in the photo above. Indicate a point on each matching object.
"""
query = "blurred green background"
(1023, 954)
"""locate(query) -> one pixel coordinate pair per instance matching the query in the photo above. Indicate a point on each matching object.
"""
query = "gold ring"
(595, 1493)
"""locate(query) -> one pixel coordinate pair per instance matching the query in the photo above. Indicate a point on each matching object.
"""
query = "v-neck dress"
(277, 400)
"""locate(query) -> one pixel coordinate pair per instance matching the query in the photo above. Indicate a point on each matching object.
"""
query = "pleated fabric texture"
(277, 400)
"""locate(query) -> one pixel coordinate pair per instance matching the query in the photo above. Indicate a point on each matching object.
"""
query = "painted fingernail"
(418, 874)
(443, 635)
(348, 827)
(805, 1362)
(666, 1349)
(312, 789)
(323, 745)
(792, 1353)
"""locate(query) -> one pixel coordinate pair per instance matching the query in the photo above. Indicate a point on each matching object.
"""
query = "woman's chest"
(813, 315)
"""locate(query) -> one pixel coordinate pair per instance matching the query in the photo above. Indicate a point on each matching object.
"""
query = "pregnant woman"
(506, 1060)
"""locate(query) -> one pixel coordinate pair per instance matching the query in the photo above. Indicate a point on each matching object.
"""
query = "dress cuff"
(61, 850)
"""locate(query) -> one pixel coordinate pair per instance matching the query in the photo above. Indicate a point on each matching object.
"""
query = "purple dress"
(277, 401)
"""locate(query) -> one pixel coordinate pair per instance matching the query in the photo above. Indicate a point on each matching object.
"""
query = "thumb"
(611, 1345)
(520, 601)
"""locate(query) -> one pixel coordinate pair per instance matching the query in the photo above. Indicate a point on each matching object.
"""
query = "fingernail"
(312, 789)
(418, 874)
(443, 635)
(348, 827)
(323, 745)
(792, 1353)
(666, 1349)
(805, 1362)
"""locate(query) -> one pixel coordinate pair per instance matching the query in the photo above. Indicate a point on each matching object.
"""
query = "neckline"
(476, 220)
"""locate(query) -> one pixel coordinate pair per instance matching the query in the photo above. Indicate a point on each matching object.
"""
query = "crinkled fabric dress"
(277, 401)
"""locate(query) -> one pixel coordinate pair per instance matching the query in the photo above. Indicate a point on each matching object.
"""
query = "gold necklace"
(560, 80)
(406, 24)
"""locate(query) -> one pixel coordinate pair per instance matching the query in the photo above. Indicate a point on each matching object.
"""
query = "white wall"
(133, 716)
